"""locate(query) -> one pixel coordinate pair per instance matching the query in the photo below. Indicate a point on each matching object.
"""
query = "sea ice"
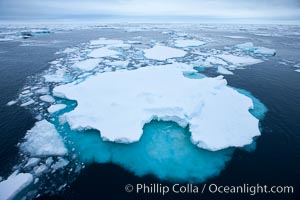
(188, 43)
(239, 61)
(222, 70)
(27, 103)
(159, 52)
(171, 97)
(87, 65)
(119, 63)
(297, 70)
(43, 140)
(249, 46)
(103, 52)
(32, 162)
(10, 103)
(47, 98)
(14, 184)
(60, 164)
(55, 108)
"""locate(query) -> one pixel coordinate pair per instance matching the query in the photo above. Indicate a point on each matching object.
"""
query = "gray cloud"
(222, 9)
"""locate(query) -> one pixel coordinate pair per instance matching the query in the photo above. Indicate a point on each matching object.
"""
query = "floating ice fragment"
(60, 164)
(47, 98)
(188, 43)
(222, 70)
(10, 103)
(14, 184)
(249, 46)
(29, 102)
(162, 53)
(43, 140)
(55, 108)
(32, 162)
(239, 61)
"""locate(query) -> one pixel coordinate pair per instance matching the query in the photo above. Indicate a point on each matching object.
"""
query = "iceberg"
(43, 140)
(239, 61)
(14, 184)
(162, 53)
(87, 65)
(188, 43)
(136, 99)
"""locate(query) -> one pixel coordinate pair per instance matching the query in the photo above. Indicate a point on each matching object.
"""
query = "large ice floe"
(136, 98)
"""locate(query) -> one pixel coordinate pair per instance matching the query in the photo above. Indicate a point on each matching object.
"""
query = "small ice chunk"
(189, 43)
(87, 65)
(55, 108)
(239, 60)
(43, 140)
(222, 70)
(49, 161)
(103, 52)
(13, 102)
(27, 103)
(44, 90)
(14, 184)
(47, 98)
(40, 169)
(249, 46)
(60, 164)
(32, 162)
(159, 52)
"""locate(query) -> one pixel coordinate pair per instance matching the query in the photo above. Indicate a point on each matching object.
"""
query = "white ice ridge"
(43, 140)
(239, 61)
(14, 184)
(188, 43)
(217, 114)
(159, 52)
(87, 65)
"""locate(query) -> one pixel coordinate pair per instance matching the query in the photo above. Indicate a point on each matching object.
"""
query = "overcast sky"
(255, 10)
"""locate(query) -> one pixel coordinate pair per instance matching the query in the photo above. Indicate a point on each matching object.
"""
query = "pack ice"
(218, 116)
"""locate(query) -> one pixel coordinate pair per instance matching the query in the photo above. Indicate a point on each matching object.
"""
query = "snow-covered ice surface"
(159, 52)
(117, 99)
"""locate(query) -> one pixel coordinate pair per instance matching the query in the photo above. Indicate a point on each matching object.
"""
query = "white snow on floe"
(212, 109)
(87, 65)
(159, 52)
(239, 61)
(103, 52)
(222, 70)
(43, 140)
(55, 108)
(189, 43)
(14, 184)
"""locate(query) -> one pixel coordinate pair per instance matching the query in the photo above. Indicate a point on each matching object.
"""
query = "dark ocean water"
(276, 160)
